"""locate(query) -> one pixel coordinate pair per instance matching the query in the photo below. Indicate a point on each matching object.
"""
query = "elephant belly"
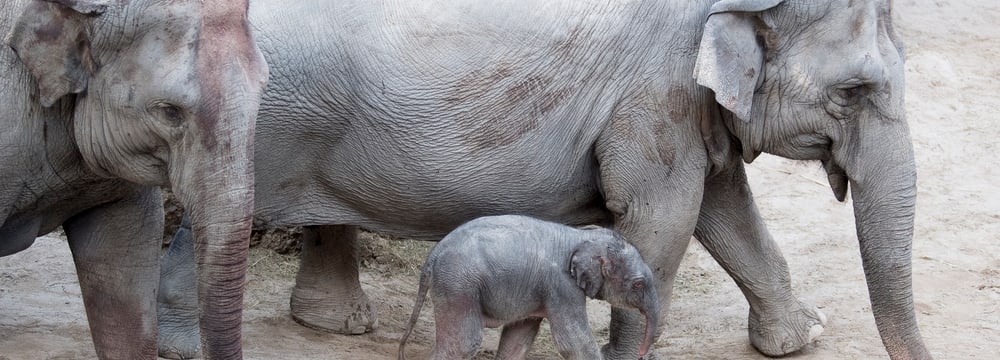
(427, 198)
(414, 137)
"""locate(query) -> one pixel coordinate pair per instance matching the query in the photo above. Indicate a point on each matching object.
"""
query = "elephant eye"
(638, 285)
(173, 114)
(849, 93)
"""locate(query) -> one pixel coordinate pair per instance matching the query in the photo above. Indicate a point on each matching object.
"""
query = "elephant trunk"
(882, 176)
(651, 311)
(222, 250)
(219, 197)
(216, 184)
(218, 174)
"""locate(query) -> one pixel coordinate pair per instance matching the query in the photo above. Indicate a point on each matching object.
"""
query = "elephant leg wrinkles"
(327, 293)
(731, 229)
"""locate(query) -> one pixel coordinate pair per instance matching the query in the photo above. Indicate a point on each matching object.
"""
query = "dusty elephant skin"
(418, 116)
(513, 271)
(102, 102)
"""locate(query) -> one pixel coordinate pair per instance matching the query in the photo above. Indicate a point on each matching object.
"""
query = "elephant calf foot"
(786, 331)
(350, 315)
(610, 353)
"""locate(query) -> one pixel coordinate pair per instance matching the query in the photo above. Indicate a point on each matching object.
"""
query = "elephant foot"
(178, 334)
(350, 314)
(609, 352)
(180, 354)
(785, 332)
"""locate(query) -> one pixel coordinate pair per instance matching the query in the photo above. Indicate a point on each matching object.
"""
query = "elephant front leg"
(572, 335)
(517, 337)
(660, 227)
(327, 294)
(652, 176)
(115, 249)
(731, 229)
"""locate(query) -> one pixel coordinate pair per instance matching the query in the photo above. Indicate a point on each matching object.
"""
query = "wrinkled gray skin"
(410, 118)
(103, 102)
(514, 271)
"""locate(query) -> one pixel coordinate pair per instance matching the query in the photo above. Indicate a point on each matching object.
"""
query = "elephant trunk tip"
(649, 337)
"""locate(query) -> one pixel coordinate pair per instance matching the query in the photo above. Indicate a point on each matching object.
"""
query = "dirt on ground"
(953, 83)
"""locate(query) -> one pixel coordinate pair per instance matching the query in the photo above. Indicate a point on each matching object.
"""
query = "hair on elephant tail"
(425, 281)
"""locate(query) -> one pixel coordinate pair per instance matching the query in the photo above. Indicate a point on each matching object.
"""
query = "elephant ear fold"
(51, 41)
(730, 57)
(588, 266)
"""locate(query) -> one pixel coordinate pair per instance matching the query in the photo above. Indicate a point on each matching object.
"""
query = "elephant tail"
(426, 276)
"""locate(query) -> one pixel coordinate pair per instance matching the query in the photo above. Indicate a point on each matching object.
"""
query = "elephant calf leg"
(572, 336)
(458, 327)
(327, 294)
(731, 229)
(516, 338)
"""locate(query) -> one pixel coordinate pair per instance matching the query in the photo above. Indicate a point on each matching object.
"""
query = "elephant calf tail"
(425, 281)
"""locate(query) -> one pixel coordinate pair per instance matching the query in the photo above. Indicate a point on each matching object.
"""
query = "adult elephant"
(410, 118)
(102, 102)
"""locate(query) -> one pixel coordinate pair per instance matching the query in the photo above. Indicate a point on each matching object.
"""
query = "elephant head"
(824, 81)
(165, 93)
(615, 272)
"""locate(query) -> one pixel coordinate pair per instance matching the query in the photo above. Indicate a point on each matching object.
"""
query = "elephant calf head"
(615, 272)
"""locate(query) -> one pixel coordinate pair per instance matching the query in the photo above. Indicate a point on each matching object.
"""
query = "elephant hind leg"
(327, 294)
(458, 326)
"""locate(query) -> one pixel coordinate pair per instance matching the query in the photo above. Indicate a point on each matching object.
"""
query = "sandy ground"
(953, 79)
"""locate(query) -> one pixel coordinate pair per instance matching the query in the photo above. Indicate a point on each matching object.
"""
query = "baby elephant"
(515, 270)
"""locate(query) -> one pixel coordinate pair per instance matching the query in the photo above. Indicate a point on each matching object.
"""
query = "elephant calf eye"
(638, 285)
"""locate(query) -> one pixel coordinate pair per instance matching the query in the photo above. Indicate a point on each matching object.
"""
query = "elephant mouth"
(837, 178)
(18, 232)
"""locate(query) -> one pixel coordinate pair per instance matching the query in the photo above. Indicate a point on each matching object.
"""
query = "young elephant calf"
(515, 270)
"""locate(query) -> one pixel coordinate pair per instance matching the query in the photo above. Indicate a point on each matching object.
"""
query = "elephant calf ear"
(586, 265)
(51, 41)
(730, 58)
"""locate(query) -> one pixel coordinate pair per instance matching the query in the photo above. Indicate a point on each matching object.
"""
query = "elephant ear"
(588, 266)
(51, 40)
(730, 58)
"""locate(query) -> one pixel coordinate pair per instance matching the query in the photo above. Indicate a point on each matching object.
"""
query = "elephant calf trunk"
(652, 314)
